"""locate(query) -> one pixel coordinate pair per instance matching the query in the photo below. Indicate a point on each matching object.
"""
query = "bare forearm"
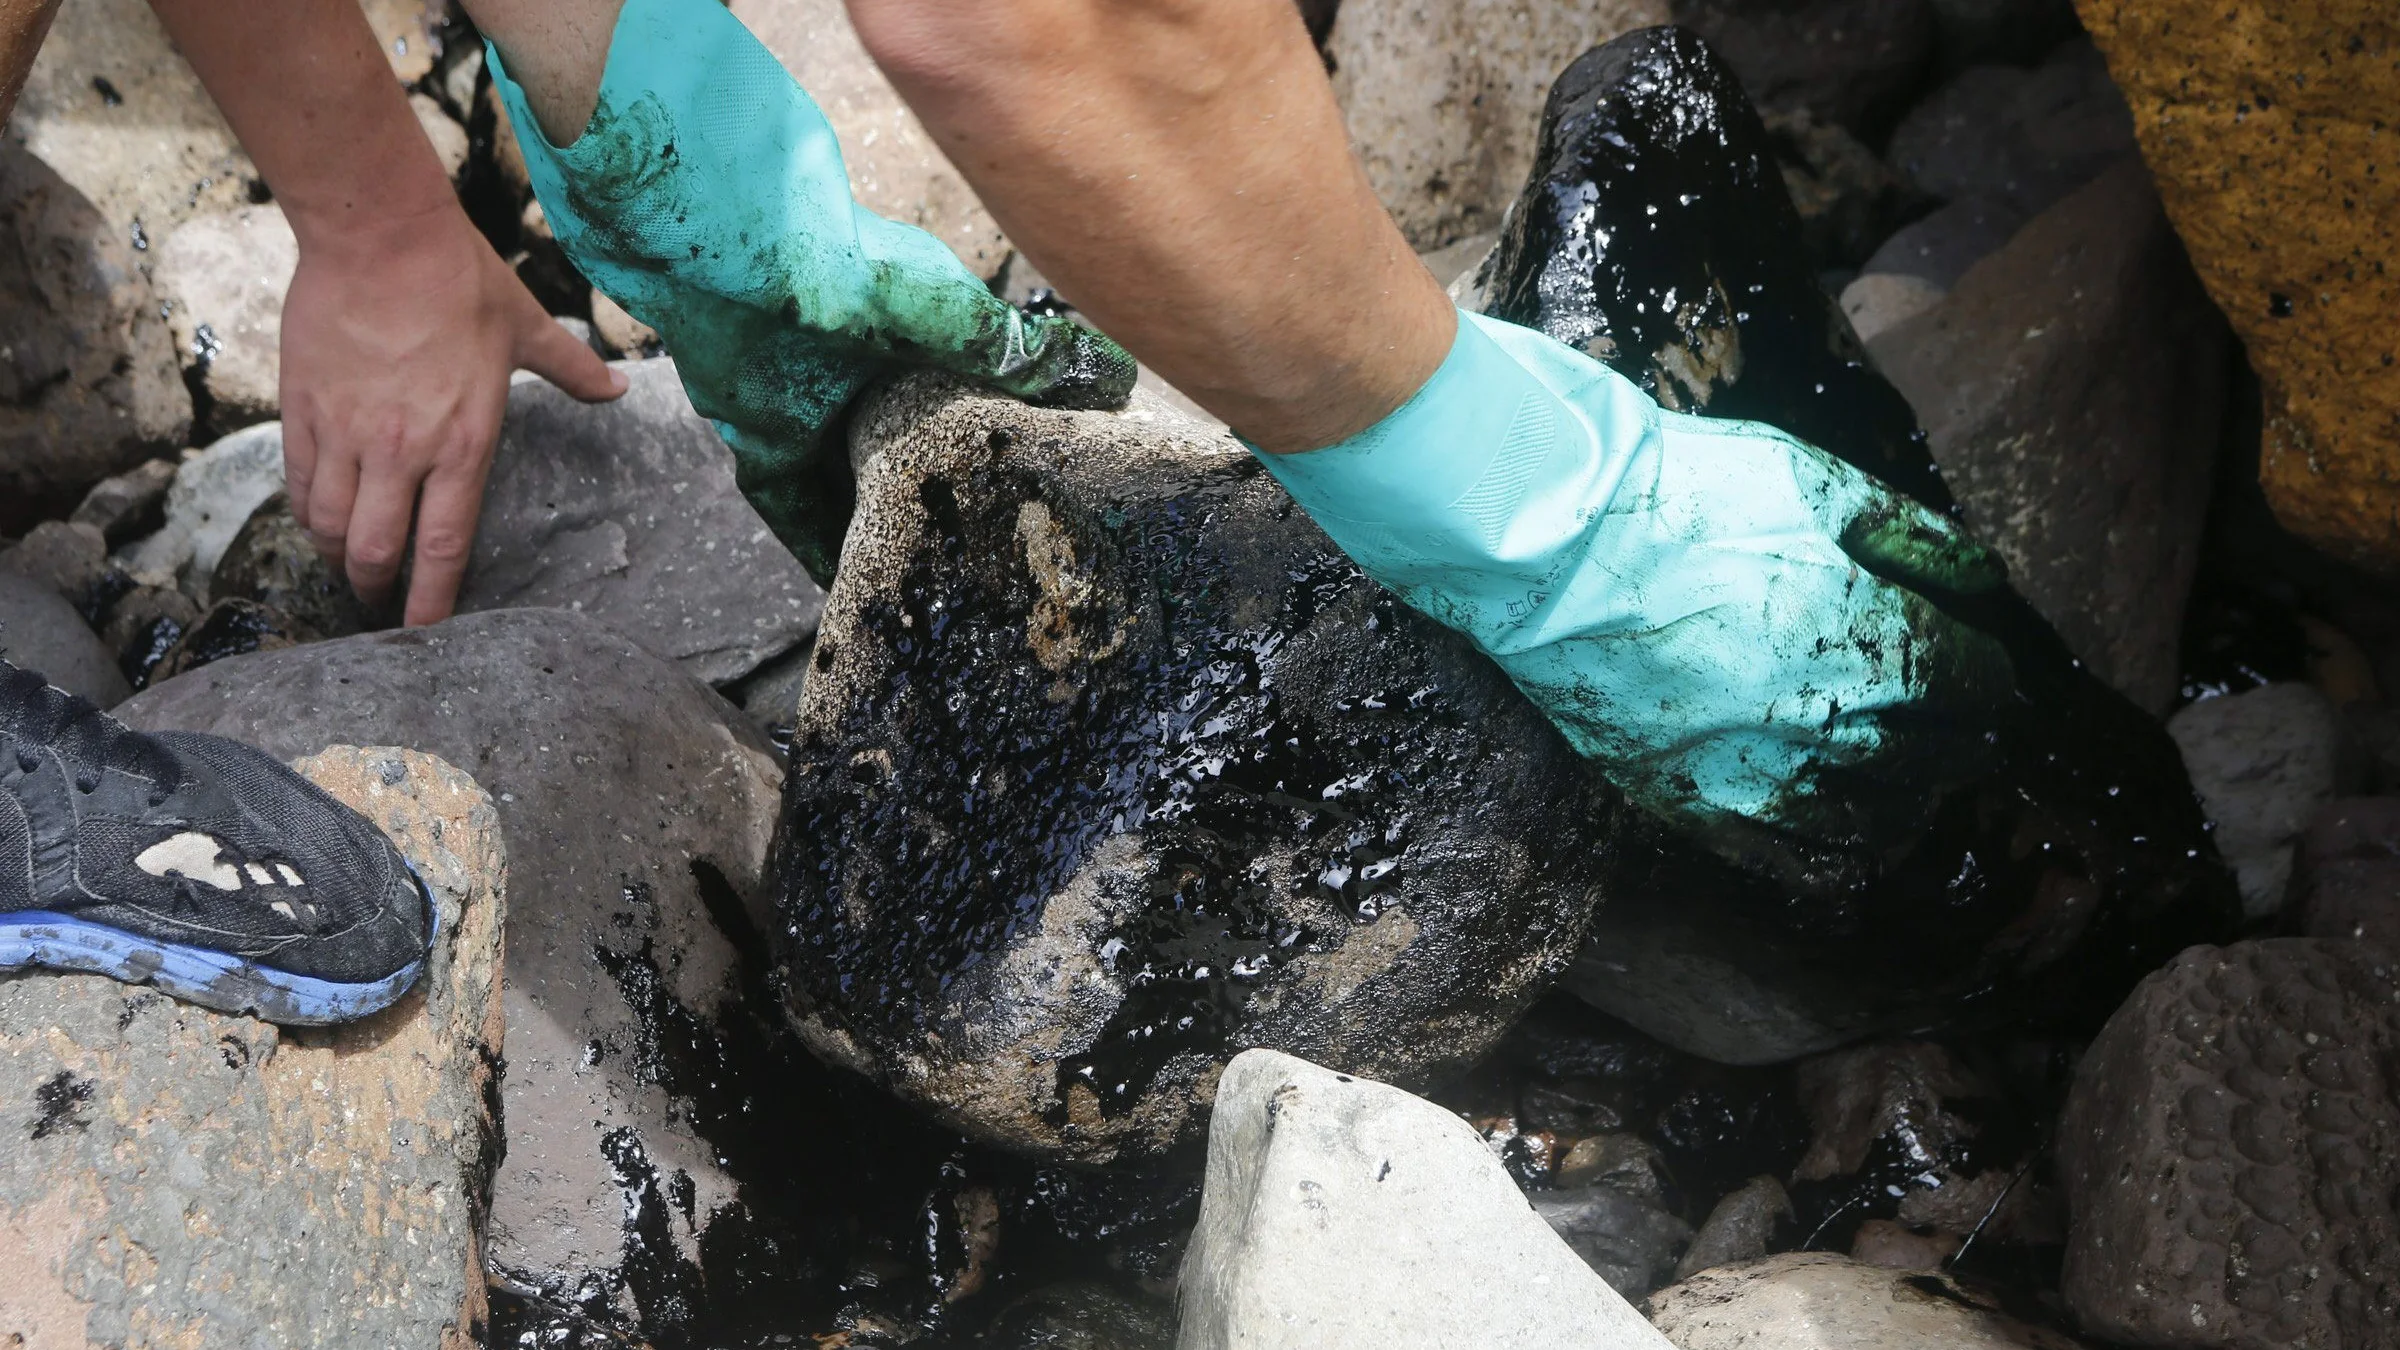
(303, 85)
(1178, 169)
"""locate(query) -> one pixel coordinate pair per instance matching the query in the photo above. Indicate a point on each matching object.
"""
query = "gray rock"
(1442, 97)
(1880, 301)
(2073, 387)
(625, 790)
(1848, 63)
(215, 491)
(771, 695)
(114, 108)
(1941, 247)
(128, 504)
(2023, 137)
(2346, 872)
(40, 631)
(627, 512)
(2263, 762)
(1630, 1240)
(1817, 1301)
(1342, 1214)
(87, 376)
(2231, 1153)
(895, 168)
(1904, 1096)
(1079, 1315)
(223, 277)
(271, 561)
(1849, 200)
(174, 1176)
(68, 558)
(1110, 765)
(1739, 1229)
(144, 625)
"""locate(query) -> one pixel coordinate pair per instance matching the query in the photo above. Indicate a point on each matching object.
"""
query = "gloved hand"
(1733, 624)
(707, 196)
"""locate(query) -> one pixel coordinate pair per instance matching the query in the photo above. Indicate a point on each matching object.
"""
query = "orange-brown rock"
(2274, 133)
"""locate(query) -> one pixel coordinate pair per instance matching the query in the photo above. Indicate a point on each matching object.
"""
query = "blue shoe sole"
(210, 979)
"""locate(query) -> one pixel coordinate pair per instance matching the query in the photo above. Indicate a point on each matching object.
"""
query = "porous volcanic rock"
(1111, 765)
(179, 1177)
(2270, 130)
(2231, 1153)
(1656, 236)
(647, 1106)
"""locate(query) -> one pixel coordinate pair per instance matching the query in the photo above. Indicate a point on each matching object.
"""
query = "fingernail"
(618, 381)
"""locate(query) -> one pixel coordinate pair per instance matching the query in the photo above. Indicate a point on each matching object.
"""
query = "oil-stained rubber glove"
(1734, 624)
(707, 196)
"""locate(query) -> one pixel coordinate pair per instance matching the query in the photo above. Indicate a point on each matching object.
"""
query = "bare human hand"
(397, 350)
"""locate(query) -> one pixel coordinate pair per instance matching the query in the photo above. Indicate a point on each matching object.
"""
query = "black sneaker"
(196, 864)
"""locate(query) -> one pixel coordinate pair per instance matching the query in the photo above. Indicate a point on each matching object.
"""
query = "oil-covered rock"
(1656, 236)
(1112, 766)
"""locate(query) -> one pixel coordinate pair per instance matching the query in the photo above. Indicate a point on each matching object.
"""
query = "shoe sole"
(211, 979)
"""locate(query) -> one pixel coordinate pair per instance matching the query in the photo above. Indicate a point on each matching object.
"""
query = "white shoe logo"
(190, 854)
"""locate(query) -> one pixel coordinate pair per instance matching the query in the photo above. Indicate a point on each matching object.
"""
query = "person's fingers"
(331, 491)
(1902, 538)
(299, 462)
(447, 510)
(547, 349)
(378, 535)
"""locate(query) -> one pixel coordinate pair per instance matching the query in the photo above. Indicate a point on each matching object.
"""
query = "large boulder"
(626, 511)
(223, 277)
(895, 168)
(1343, 1214)
(179, 1177)
(2269, 129)
(2231, 1151)
(1818, 1301)
(88, 384)
(2073, 867)
(2073, 384)
(637, 807)
(1110, 765)
(1442, 97)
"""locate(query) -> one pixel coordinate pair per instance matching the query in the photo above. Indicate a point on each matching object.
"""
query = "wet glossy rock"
(1630, 1239)
(2264, 762)
(1080, 1316)
(88, 385)
(2073, 384)
(638, 1187)
(1110, 765)
(1849, 200)
(230, 627)
(177, 1177)
(40, 631)
(1655, 235)
(1904, 1133)
(626, 512)
(1740, 1228)
(1343, 1214)
(2270, 129)
(1817, 1301)
(272, 562)
(2232, 1149)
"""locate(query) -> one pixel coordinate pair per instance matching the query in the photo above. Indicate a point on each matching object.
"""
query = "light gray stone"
(88, 385)
(127, 505)
(40, 631)
(1344, 1214)
(1443, 98)
(1878, 301)
(214, 493)
(2073, 386)
(68, 558)
(1738, 1229)
(627, 512)
(223, 277)
(2263, 762)
(623, 788)
(895, 168)
(2231, 1153)
(175, 1177)
(1818, 1301)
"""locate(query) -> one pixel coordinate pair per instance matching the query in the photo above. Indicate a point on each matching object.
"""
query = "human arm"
(401, 325)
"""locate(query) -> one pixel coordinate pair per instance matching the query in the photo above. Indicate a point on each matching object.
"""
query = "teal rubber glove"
(707, 196)
(1733, 623)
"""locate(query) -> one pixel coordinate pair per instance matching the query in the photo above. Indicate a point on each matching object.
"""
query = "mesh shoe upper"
(196, 841)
